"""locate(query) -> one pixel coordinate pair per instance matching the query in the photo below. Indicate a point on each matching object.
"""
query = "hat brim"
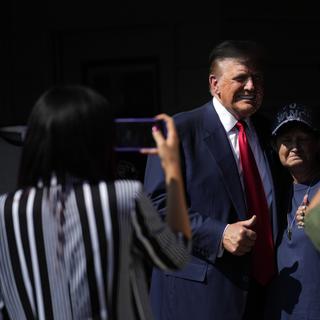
(276, 129)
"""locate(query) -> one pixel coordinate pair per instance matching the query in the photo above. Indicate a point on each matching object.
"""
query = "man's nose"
(249, 84)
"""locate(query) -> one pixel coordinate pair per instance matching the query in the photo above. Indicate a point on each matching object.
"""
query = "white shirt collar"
(227, 119)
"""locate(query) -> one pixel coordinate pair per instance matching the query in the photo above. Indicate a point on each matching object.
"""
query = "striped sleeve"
(12, 286)
(166, 249)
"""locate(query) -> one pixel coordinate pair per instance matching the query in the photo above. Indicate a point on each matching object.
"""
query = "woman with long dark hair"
(74, 242)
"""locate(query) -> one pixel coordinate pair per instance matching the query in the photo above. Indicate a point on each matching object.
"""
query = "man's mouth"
(246, 97)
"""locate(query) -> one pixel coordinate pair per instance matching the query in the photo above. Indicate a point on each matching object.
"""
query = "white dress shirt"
(229, 121)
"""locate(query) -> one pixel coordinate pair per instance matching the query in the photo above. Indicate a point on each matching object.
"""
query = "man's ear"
(213, 85)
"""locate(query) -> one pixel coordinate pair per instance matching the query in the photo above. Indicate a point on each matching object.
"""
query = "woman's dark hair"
(70, 133)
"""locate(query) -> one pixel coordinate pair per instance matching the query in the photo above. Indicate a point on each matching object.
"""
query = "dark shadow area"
(150, 58)
(286, 291)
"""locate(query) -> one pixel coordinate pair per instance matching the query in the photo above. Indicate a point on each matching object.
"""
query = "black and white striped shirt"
(87, 263)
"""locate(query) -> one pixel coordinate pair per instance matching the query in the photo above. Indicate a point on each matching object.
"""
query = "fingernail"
(154, 128)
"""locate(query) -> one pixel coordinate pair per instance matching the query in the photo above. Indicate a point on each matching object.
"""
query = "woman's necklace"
(290, 223)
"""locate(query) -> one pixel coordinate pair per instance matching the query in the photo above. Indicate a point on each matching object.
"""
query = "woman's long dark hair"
(70, 133)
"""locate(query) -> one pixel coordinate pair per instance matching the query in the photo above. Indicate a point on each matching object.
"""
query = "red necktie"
(263, 263)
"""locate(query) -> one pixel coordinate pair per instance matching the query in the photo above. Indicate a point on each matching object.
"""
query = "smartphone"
(134, 134)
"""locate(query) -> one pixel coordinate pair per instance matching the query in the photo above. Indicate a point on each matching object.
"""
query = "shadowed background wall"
(63, 41)
(150, 57)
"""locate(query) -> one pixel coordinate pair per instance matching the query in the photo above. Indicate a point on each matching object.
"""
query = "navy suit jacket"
(209, 287)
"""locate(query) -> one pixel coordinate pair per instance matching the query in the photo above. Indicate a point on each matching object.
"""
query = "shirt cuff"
(221, 248)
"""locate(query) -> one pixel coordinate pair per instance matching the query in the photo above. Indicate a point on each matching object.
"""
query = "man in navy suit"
(218, 283)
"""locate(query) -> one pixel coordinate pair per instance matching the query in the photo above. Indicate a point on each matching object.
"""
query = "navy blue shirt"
(295, 293)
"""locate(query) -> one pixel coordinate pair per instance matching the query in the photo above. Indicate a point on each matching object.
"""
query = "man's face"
(297, 148)
(238, 86)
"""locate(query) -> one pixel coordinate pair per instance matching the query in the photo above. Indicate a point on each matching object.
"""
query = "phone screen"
(133, 134)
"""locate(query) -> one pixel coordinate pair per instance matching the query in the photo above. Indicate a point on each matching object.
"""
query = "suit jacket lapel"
(219, 147)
